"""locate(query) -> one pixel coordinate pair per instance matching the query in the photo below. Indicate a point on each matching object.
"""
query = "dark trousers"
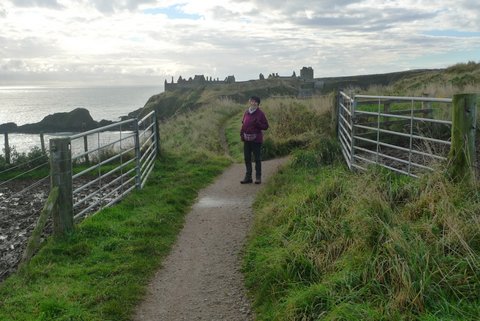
(256, 149)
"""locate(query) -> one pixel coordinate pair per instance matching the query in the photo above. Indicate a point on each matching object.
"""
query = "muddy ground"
(21, 202)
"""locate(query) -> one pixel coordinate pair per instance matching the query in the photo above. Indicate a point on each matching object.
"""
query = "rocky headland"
(77, 120)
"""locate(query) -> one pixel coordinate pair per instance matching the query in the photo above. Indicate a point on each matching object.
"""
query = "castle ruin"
(306, 73)
(195, 82)
(306, 88)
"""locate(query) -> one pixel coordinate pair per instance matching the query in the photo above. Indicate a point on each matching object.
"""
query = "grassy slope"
(435, 83)
(232, 132)
(99, 272)
(329, 244)
(466, 76)
(168, 104)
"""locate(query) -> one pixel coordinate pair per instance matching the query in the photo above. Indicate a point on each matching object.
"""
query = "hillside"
(326, 243)
(457, 77)
(169, 103)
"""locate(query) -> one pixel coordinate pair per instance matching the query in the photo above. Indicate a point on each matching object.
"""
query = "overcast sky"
(128, 42)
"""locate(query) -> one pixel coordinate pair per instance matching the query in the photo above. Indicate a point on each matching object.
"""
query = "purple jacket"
(252, 126)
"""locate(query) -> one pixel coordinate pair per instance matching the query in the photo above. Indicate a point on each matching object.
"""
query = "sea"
(25, 105)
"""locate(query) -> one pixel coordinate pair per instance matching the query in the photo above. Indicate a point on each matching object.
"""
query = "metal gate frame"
(348, 126)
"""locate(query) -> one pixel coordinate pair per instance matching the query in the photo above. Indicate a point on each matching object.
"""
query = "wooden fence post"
(7, 149)
(85, 149)
(386, 106)
(34, 240)
(61, 177)
(42, 142)
(462, 151)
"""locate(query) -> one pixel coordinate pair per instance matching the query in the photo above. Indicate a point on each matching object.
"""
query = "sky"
(144, 42)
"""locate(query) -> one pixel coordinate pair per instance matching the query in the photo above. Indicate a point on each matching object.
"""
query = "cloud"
(141, 41)
(109, 7)
(172, 12)
(28, 47)
(53, 4)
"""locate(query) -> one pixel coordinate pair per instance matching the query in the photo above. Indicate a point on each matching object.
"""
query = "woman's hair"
(256, 99)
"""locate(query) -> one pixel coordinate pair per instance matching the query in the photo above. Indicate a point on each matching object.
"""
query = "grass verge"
(99, 272)
(328, 244)
(232, 134)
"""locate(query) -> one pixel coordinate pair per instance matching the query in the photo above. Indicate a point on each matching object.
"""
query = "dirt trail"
(201, 278)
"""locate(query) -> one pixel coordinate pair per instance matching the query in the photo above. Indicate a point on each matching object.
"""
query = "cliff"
(180, 99)
(77, 120)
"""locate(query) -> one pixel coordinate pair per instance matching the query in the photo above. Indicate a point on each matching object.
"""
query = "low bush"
(23, 160)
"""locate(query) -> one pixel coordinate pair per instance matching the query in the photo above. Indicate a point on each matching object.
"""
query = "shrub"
(24, 160)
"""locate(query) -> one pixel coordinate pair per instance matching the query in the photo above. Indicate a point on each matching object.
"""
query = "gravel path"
(201, 278)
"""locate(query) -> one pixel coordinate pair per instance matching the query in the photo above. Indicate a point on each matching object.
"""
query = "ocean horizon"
(30, 104)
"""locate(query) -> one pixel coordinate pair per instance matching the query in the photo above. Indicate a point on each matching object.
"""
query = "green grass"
(294, 124)
(199, 130)
(329, 244)
(232, 133)
(99, 272)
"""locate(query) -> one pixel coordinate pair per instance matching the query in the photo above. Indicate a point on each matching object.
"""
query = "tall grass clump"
(198, 132)
(294, 124)
(331, 245)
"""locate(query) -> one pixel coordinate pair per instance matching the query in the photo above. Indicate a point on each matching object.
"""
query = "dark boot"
(247, 180)
(258, 180)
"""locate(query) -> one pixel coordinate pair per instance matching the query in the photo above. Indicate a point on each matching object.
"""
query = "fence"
(403, 134)
(88, 171)
(98, 177)
(8, 149)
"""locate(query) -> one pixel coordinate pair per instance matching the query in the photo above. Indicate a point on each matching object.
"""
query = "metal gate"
(404, 134)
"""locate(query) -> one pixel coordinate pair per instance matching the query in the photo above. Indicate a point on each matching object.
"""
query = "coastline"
(30, 104)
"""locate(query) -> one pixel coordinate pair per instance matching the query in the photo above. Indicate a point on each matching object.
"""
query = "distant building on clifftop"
(305, 83)
(306, 73)
(307, 87)
(195, 82)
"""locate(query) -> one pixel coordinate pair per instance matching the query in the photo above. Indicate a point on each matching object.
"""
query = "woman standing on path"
(254, 121)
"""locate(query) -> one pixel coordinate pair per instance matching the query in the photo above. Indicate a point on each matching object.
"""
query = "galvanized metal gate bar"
(359, 151)
(129, 160)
